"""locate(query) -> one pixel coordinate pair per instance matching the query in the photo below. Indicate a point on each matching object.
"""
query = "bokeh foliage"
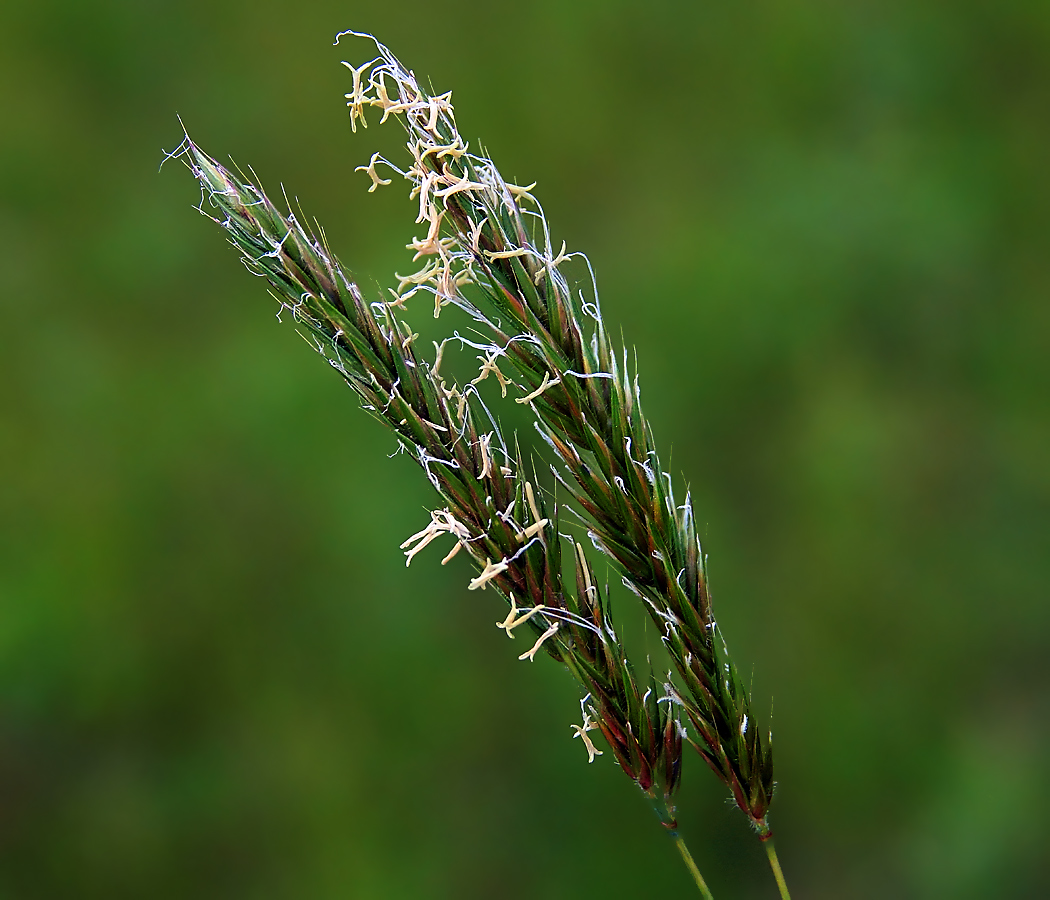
(824, 227)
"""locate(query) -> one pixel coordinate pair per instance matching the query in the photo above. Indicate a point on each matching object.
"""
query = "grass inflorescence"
(488, 252)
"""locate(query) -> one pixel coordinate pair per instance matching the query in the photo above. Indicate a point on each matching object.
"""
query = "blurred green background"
(826, 229)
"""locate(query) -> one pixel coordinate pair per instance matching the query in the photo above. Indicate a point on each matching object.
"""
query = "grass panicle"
(487, 251)
(492, 234)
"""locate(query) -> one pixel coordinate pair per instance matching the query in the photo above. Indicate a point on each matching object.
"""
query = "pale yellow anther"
(513, 620)
(508, 254)
(371, 170)
(531, 654)
(437, 105)
(464, 184)
(453, 393)
(488, 366)
(452, 552)
(407, 341)
(431, 244)
(530, 532)
(417, 107)
(519, 193)
(588, 587)
(439, 352)
(475, 234)
(425, 207)
(419, 166)
(544, 385)
(357, 99)
(581, 732)
(531, 498)
(399, 299)
(486, 459)
(491, 570)
(421, 277)
(441, 522)
(465, 275)
(383, 100)
(456, 149)
(552, 265)
(446, 288)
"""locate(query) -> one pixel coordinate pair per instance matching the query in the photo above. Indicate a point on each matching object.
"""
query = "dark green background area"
(826, 229)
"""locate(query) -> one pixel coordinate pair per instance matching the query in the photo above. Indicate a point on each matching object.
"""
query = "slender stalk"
(691, 866)
(778, 873)
(666, 814)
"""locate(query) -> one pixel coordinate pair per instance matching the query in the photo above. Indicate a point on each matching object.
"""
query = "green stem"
(778, 873)
(665, 812)
(691, 866)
